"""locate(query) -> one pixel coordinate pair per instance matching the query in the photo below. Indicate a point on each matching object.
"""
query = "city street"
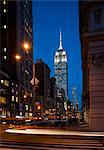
(51, 74)
(49, 139)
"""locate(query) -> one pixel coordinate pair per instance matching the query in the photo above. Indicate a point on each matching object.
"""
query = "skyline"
(47, 22)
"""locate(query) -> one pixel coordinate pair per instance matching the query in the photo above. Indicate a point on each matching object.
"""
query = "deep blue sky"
(48, 18)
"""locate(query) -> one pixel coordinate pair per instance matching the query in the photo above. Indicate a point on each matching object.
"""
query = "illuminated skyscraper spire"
(60, 47)
(61, 69)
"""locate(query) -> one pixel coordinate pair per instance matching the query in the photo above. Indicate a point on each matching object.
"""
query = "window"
(4, 10)
(26, 106)
(12, 90)
(4, 2)
(26, 114)
(13, 98)
(30, 114)
(4, 26)
(5, 82)
(5, 49)
(20, 113)
(17, 99)
(2, 81)
(25, 96)
(16, 92)
(30, 94)
(5, 57)
(26, 71)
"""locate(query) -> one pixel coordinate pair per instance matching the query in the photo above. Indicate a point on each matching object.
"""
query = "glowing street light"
(18, 57)
(38, 107)
(25, 96)
(26, 46)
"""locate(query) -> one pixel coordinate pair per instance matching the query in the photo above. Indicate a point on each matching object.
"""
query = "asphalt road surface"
(61, 144)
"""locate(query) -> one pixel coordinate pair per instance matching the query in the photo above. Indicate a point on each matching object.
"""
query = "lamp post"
(26, 48)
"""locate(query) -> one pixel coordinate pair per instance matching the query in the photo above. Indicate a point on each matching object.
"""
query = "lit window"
(4, 2)
(26, 71)
(12, 98)
(6, 83)
(26, 106)
(20, 113)
(30, 94)
(26, 114)
(5, 57)
(2, 81)
(26, 23)
(27, 31)
(5, 49)
(25, 96)
(16, 92)
(30, 114)
(4, 26)
(17, 99)
(12, 90)
(4, 10)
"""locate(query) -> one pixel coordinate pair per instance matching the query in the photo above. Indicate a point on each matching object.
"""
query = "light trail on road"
(55, 132)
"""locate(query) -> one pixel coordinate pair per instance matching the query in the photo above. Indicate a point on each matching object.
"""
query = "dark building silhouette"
(92, 47)
(53, 93)
(42, 73)
(53, 88)
(16, 92)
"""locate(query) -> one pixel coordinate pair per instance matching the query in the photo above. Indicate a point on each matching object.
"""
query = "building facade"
(61, 68)
(60, 102)
(42, 73)
(92, 48)
(53, 92)
(74, 97)
(53, 88)
(16, 91)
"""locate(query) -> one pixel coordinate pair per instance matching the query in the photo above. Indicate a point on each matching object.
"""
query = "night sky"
(48, 18)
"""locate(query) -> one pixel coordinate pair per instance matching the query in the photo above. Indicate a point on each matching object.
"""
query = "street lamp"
(18, 57)
(26, 48)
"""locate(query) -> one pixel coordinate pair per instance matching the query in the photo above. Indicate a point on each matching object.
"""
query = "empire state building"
(61, 68)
